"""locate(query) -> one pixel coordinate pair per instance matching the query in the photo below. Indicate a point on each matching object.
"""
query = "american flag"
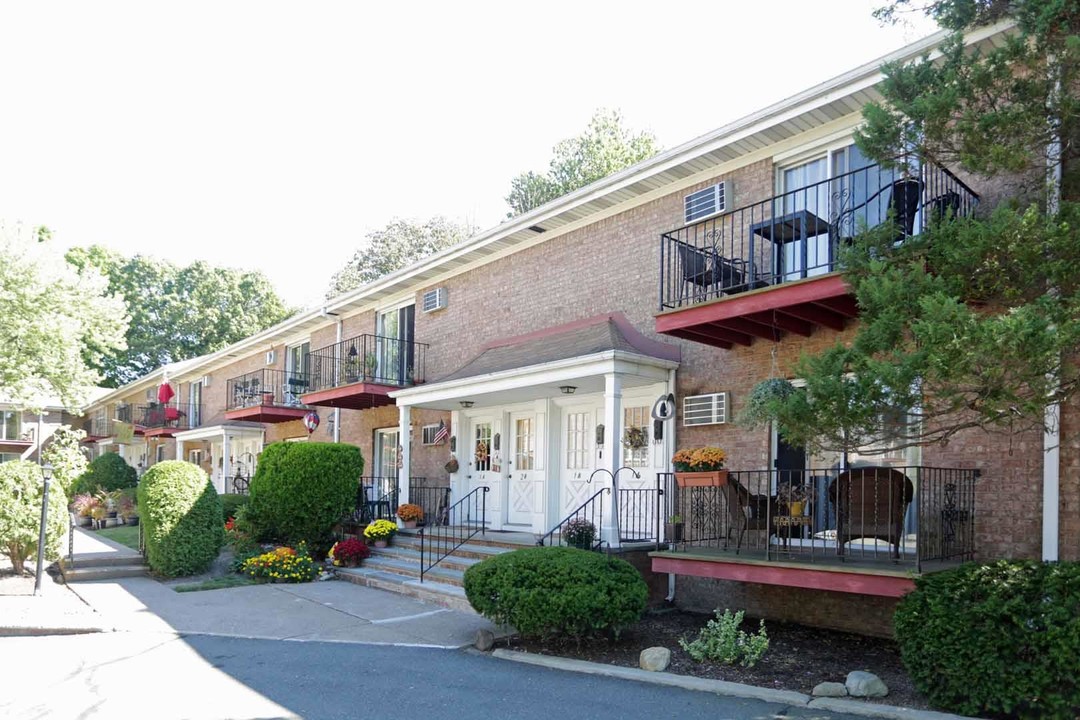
(442, 433)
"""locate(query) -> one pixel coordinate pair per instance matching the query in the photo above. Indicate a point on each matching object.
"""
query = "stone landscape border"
(722, 687)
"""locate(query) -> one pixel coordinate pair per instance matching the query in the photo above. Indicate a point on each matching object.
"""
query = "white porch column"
(612, 452)
(226, 466)
(404, 421)
(179, 450)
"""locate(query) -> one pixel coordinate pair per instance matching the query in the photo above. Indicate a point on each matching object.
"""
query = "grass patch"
(218, 583)
(123, 534)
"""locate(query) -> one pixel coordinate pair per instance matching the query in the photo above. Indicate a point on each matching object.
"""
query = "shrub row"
(999, 640)
(549, 591)
(301, 491)
(181, 516)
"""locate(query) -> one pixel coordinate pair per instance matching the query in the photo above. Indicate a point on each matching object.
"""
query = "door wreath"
(481, 453)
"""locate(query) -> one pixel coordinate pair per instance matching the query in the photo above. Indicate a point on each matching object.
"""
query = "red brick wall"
(863, 614)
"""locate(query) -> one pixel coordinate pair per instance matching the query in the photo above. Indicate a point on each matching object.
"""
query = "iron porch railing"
(266, 387)
(377, 499)
(908, 516)
(177, 416)
(797, 234)
(574, 529)
(367, 358)
(465, 519)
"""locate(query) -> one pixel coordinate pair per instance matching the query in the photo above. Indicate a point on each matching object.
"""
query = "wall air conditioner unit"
(269, 357)
(705, 409)
(434, 300)
(705, 202)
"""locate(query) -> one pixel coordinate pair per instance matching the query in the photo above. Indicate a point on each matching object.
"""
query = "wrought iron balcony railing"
(266, 387)
(176, 416)
(886, 515)
(797, 234)
(367, 358)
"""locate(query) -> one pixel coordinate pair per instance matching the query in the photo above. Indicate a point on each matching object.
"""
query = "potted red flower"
(349, 553)
(700, 467)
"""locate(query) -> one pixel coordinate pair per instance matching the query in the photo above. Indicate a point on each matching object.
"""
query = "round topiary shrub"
(998, 640)
(301, 491)
(21, 490)
(181, 515)
(548, 591)
(106, 472)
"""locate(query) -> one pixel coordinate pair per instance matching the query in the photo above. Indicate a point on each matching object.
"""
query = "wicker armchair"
(870, 503)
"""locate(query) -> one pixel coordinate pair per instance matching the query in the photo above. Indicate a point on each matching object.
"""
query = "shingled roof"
(603, 333)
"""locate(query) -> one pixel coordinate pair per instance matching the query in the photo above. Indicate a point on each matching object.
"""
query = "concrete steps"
(397, 567)
(97, 558)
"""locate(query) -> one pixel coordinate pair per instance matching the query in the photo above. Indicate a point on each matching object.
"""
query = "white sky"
(275, 135)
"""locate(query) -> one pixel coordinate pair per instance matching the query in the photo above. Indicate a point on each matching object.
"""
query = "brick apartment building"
(544, 343)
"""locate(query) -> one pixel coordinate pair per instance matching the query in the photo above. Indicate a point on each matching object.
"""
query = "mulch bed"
(799, 657)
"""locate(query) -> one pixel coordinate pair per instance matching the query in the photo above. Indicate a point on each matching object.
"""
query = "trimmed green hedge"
(998, 640)
(301, 490)
(106, 472)
(231, 504)
(181, 516)
(548, 591)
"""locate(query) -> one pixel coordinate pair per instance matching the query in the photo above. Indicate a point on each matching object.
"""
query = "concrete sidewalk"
(334, 611)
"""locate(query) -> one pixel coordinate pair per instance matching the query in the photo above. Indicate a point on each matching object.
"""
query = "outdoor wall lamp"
(567, 389)
(467, 403)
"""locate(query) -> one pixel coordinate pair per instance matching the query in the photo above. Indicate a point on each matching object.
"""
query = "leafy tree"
(56, 317)
(974, 323)
(604, 148)
(179, 313)
(66, 456)
(400, 243)
(21, 490)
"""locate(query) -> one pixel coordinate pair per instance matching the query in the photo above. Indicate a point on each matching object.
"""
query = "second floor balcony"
(164, 419)
(266, 395)
(770, 267)
(359, 372)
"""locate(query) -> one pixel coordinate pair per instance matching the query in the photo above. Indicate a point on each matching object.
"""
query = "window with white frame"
(12, 425)
(635, 431)
(577, 439)
(428, 433)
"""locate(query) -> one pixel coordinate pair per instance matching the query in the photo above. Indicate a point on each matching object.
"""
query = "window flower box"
(714, 478)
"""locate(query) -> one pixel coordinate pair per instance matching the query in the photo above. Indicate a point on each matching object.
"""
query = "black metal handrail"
(178, 416)
(266, 387)
(797, 234)
(905, 515)
(465, 519)
(367, 358)
(376, 499)
(590, 512)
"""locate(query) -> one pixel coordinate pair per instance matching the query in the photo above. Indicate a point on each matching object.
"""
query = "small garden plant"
(380, 530)
(723, 640)
(283, 565)
(410, 512)
(349, 553)
(579, 533)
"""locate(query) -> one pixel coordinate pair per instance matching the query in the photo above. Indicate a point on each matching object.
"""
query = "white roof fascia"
(551, 373)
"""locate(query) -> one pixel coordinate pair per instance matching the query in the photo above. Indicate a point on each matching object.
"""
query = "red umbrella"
(165, 393)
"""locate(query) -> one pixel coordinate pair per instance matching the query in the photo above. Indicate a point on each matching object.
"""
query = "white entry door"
(637, 492)
(526, 491)
(578, 451)
(484, 467)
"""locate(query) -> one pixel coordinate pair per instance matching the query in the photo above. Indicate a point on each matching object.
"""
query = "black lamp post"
(46, 473)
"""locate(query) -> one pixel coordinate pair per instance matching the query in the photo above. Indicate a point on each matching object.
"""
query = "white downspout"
(337, 411)
(1051, 499)
(670, 444)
